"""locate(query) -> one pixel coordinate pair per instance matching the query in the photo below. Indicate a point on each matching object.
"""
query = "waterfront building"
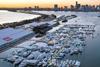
(77, 5)
(9, 37)
(65, 8)
(56, 8)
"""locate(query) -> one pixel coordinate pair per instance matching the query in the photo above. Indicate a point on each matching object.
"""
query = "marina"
(55, 48)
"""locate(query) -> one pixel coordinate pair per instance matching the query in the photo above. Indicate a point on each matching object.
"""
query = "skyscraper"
(56, 8)
(77, 5)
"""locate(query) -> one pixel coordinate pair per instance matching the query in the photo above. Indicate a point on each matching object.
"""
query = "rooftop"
(10, 34)
(9, 17)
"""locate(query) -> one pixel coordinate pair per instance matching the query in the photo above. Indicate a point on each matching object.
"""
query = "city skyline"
(43, 3)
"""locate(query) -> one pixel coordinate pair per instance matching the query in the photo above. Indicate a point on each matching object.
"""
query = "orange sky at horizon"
(43, 3)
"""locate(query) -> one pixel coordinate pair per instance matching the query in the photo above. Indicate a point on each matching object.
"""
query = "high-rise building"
(56, 8)
(98, 7)
(72, 7)
(76, 2)
(65, 8)
(36, 7)
(77, 5)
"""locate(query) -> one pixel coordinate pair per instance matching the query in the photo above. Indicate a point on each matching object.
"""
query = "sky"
(43, 3)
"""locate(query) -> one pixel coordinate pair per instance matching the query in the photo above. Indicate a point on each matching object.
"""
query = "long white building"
(10, 17)
(10, 36)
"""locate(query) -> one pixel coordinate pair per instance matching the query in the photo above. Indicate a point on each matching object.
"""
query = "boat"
(77, 64)
(73, 62)
(24, 63)
(18, 61)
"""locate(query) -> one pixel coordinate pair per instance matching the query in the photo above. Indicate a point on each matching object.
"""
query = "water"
(91, 55)
(5, 64)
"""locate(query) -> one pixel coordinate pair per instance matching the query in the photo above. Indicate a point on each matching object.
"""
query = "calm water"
(91, 55)
(5, 64)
